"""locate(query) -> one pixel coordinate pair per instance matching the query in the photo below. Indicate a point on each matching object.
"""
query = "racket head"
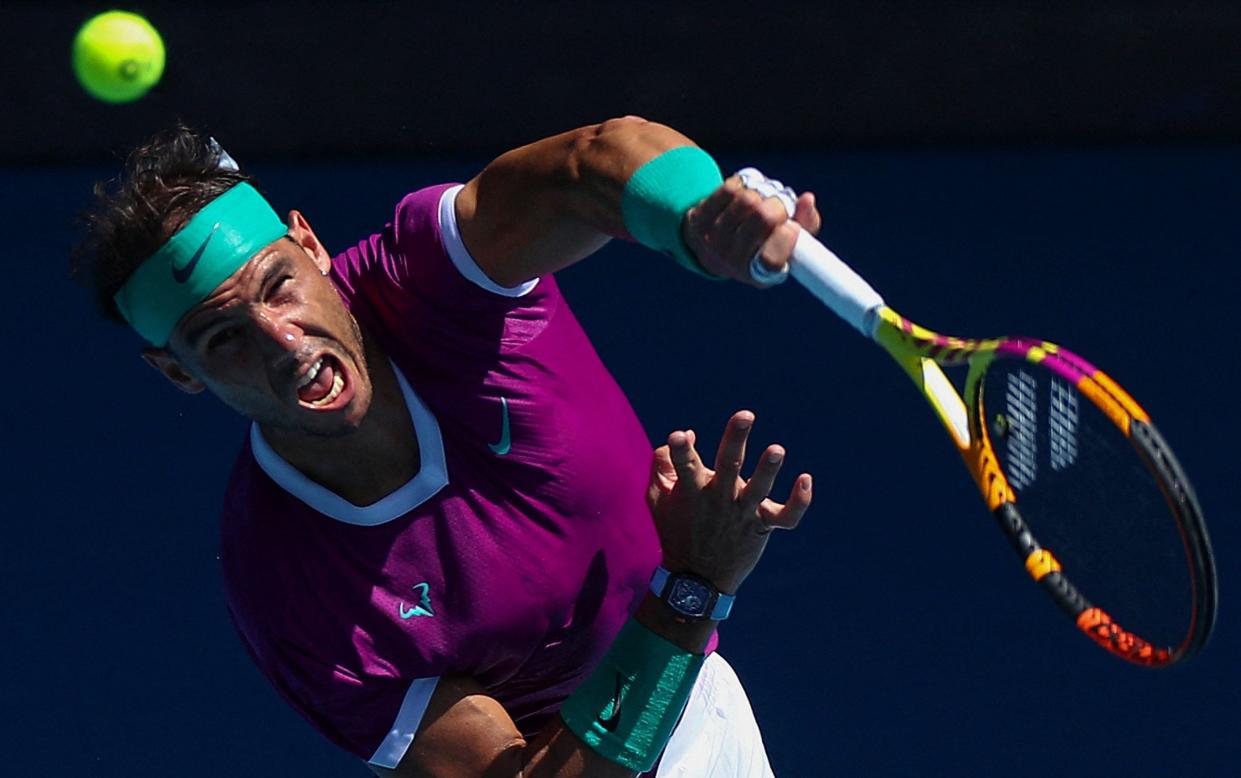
(1080, 481)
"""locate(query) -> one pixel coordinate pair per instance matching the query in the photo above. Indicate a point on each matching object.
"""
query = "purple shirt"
(529, 560)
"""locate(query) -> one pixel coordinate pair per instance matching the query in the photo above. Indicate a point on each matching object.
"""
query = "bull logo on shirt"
(423, 608)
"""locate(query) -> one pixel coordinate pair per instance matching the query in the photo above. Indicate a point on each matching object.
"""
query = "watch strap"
(723, 602)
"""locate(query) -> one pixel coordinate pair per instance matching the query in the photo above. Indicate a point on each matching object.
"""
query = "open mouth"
(324, 386)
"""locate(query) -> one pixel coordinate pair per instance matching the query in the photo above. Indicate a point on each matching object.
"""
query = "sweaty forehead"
(247, 280)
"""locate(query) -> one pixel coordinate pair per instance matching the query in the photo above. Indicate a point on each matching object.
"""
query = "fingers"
(779, 244)
(708, 211)
(734, 224)
(787, 516)
(748, 223)
(700, 230)
(663, 473)
(731, 453)
(759, 485)
(685, 460)
(679, 461)
(778, 248)
(755, 235)
(750, 219)
(807, 215)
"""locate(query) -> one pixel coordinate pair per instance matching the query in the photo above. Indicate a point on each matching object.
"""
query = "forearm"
(542, 207)
(558, 753)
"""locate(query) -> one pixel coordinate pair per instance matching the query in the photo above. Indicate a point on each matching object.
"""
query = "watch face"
(690, 597)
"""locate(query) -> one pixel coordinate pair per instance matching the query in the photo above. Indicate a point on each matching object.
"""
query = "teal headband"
(220, 238)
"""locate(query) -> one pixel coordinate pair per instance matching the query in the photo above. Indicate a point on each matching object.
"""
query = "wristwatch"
(692, 597)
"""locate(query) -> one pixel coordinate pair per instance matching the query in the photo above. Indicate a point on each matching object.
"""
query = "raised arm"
(544, 206)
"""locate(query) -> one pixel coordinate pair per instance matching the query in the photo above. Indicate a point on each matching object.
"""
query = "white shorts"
(717, 736)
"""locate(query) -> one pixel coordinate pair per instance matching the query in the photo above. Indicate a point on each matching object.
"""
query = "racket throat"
(945, 400)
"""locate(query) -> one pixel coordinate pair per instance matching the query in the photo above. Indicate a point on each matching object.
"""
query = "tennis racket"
(1053, 442)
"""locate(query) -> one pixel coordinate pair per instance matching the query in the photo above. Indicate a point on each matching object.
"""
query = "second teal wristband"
(627, 708)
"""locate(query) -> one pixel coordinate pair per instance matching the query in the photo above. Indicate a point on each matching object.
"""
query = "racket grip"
(828, 278)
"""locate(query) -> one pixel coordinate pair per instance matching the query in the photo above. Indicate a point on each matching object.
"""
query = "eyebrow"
(276, 266)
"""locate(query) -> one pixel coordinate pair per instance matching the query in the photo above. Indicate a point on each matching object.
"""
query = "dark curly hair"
(165, 182)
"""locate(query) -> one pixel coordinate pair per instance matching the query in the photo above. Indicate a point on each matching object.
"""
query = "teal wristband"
(627, 708)
(658, 195)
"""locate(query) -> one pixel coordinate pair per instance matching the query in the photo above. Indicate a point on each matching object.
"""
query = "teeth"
(310, 374)
(338, 383)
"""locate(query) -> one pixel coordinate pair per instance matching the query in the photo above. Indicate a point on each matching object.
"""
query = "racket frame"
(921, 353)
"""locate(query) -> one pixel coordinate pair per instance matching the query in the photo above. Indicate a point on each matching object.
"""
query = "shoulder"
(418, 216)
(419, 254)
(409, 238)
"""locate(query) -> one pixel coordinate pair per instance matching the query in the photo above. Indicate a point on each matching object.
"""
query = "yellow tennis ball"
(118, 56)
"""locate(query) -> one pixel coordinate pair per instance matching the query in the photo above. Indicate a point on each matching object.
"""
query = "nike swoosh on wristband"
(612, 721)
(502, 447)
(182, 274)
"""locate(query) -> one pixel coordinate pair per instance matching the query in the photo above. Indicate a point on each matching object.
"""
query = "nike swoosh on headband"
(181, 275)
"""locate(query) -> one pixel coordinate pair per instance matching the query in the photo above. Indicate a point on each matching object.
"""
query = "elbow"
(626, 141)
(610, 130)
(622, 123)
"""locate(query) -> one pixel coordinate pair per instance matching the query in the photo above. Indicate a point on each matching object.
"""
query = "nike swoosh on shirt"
(182, 274)
(502, 446)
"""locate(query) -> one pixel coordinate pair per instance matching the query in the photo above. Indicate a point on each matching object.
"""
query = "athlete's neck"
(370, 463)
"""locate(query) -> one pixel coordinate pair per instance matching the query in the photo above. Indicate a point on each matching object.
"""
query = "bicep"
(464, 733)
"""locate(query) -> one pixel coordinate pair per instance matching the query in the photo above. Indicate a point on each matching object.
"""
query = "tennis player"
(444, 541)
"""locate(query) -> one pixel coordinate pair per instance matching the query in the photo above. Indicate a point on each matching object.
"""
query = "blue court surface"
(894, 633)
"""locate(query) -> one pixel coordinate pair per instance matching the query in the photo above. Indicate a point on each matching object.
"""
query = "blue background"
(892, 634)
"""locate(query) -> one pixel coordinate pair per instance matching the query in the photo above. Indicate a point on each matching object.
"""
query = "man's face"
(276, 343)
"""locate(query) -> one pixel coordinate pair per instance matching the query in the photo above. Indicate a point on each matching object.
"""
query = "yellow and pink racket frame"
(921, 353)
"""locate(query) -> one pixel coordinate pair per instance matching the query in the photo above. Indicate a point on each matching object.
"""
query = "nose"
(278, 332)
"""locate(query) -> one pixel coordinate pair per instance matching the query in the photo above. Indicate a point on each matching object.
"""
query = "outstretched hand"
(714, 523)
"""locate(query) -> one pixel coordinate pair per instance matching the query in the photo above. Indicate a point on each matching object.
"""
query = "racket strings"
(1089, 500)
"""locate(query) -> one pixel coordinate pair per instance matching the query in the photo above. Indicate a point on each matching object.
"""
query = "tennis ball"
(118, 56)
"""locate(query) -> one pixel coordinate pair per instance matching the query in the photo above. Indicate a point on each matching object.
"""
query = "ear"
(166, 363)
(304, 236)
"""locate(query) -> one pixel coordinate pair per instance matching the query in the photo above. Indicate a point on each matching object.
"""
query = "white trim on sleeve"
(460, 255)
(392, 750)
